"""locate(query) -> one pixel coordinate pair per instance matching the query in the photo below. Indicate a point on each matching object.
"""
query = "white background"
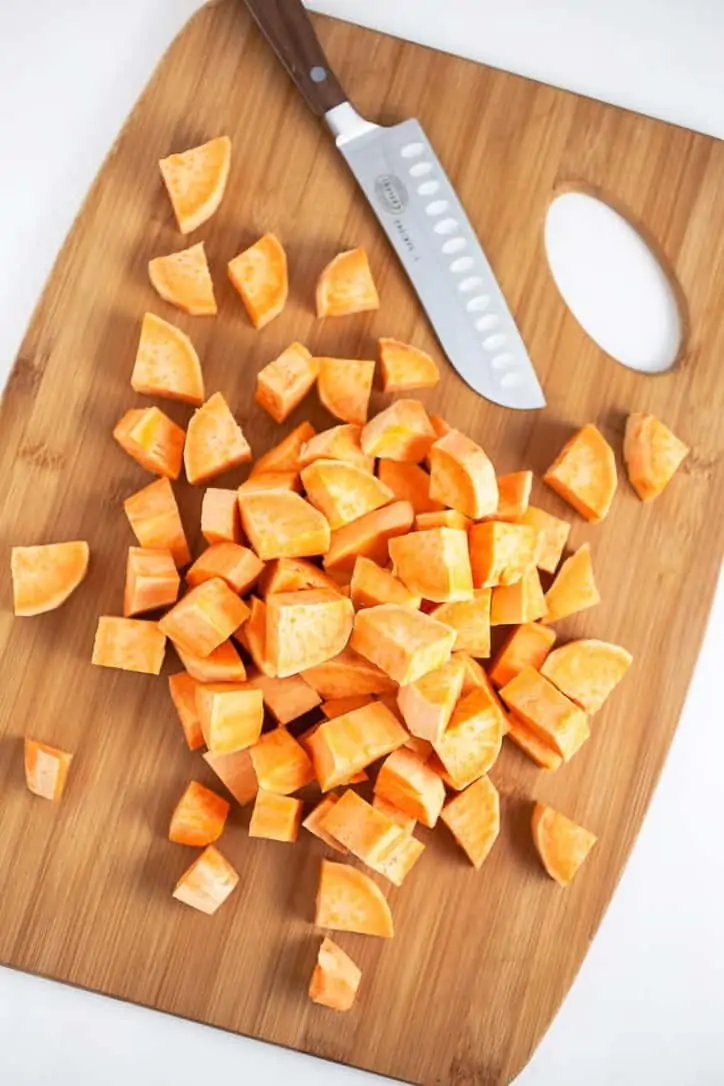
(648, 1005)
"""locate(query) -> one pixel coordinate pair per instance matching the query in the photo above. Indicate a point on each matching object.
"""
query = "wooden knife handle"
(286, 26)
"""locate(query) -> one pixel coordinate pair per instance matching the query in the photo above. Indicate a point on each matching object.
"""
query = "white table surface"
(648, 1004)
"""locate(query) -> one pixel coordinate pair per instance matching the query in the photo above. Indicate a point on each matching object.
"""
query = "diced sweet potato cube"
(129, 644)
(473, 738)
(275, 817)
(208, 882)
(368, 536)
(293, 575)
(153, 440)
(471, 621)
(584, 473)
(156, 522)
(199, 817)
(259, 274)
(371, 586)
(286, 699)
(427, 704)
(253, 636)
(500, 553)
(223, 665)
(368, 833)
(574, 588)
(405, 821)
(408, 782)
(522, 602)
(473, 818)
(434, 564)
(167, 364)
(348, 900)
(421, 747)
(281, 524)
(526, 646)
(345, 387)
(531, 744)
(443, 518)
(547, 712)
(652, 454)
(405, 644)
(474, 675)
(587, 671)
(238, 566)
(182, 688)
(206, 616)
(337, 443)
(283, 383)
(45, 576)
(346, 286)
(196, 180)
(152, 581)
(343, 746)
(305, 629)
(562, 844)
(349, 675)
(343, 492)
(339, 706)
(410, 483)
(402, 431)
(551, 537)
(46, 769)
(405, 367)
(513, 495)
(236, 773)
(462, 477)
(281, 763)
(285, 455)
(220, 521)
(231, 715)
(314, 822)
(398, 864)
(270, 480)
(215, 442)
(335, 979)
(184, 280)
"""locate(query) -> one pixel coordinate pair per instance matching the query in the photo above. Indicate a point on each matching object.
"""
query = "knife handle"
(287, 27)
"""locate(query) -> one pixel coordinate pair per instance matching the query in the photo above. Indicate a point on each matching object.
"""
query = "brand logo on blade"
(391, 194)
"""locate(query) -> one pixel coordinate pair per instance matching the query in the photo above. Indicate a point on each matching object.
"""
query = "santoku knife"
(412, 197)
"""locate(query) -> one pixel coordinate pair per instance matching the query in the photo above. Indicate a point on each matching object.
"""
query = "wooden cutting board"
(481, 960)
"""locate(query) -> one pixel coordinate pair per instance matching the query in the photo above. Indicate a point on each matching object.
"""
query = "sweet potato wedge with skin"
(208, 882)
(182, 688)
(314, 822)
(259, 274)
(285, 455)
(562, 844)
(472, 741)
(343, 492)
(547, 712)
(519, 603)
(348, 900)
(220, 521)
(183, 279)
(513, 495)
(253, 636)
(405, 644)
(277, 818)
(584, 473)
(443, 518)
(402, 431)
(340, 706)
(156, 522)
(281, 764)
(199, 817)
(574, 588)
(349, 675)
(368, 536)
(652, 455)
(434, 564)
(428, 703)
(286, 699)
(129, 644)
(551, 537)
(335, 979)
(371, 585)
(237, 566)
(367, 833)
(346, 286)
(223, 665)
(236, 773)
(345, 387)
(462, 477)
(45, 576)
(270, 480)
(473, 818)
(347, 744)
(410, 483)
(531, 744)
(408, 782)
(305, 629)
(196, 181)
(281, 524)
(293, 575)
(587, 671)
(337, 443)
(152, 581)
(167, 364)
(500, 553)
(405, 367)
(471, 621)
(231, 715)
(283, 383)
(215, 442)
(152, 440)
(46, 769)
(205, 617)
(526, 646)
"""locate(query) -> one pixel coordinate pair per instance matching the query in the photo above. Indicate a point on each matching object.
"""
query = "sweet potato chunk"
(184, 280)
(305, 629)
(348, 900)
(314, 822)
(153, 440)
(285, 455)
(574, 588)
(281, 763)
(270, 480)
(220, 521)
(410, 483)
(408, 782)
(405, 821)
(471, 621)
(345, 387)
(129, 644)
(286, 699)
(292, 575)
(215, 442)
(199, 817)
(236, 773)
(152, 581)
(371, 586)
(182, 688)
(473, 818)
(551, 537)
(547, 712)
(337, 443)
(462, 477)
(531, 744)
(167, 364)
(513, 495)
(562, 844)
(526, 646)
(652, 454)
(339, 706)
(405, 367)
(283, 383)
(405, 644)
(156, 522)
(522, 602)
(584, 473)
(335, 979)
(253, 636)
(281, 524)
(397, 866)
(402, 431)
(348, 674)
(238, 566)
(259, 274)
(500, 553)
(474, 674)
(368, 536)
(443, 518)
(434, 564)
(206, 616)
(223, 665)
(427, 704)
(471, 743)
(343, 492)
(366, 832)
(196, 181)
(277, 818)
(46, 769)
(587, 671)
(346, 286)
(231, 715)
(208, 882)
(343, 746)
(45, 576)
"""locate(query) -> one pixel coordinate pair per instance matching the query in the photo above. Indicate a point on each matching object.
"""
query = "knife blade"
(422, 216)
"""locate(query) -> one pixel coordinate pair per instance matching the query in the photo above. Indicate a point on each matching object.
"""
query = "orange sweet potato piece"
(371, 586)
(335, 979)
(259, 274)
(215, 442)
(474, 675)
(584, 473)
(405, 644)
(513, 495)
(410, 483)
(547, 712)
(281, 763)
(283, 383)
(405, 821)
(285, 455)
(551, 537)
(305, 629)
(196, 181)
(345, 387)
(462, 477)
(208, 882)
(270, 480)
(526, 646)
(277, 818)
(652, 454)
(408, 782)
(522, 602)
(500, 553)
(286, 699)
(443, 518)
(366, 832)
(427, 704)
(314, 822)
(182, 688)
(167, 364)
(348, 900)
(574, 588)
(238, 566)
(292, 575)
(398, 864)
(253, 636)
(434, 564)
(587, 671)
(343, 492)
(346, 286)
(531, 744)
(471, 621)
(348, 675)
(129, 644)
(45, 576)
(368, 536)
(184, 280)
(156, 522)
(236, 773)
(153, 440)
(473, 738)
(340, 706)
(562, 844)
(231, 715)
(405, 367)
(46, 769)
(223, 665)
(152, 581)
(281, 524)
(473, 818)
(343, 746)
(337, 443)
(402, 431)
(421, 747)
(199, 817)
(207, 615)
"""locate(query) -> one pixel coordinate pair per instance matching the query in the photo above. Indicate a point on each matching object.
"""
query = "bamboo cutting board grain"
(481, 960)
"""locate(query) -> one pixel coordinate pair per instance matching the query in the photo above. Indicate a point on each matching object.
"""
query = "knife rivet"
(318, 74)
